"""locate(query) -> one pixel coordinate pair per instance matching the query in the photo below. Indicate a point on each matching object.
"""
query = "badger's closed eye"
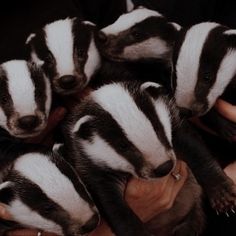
(207, 77)
(137, 34)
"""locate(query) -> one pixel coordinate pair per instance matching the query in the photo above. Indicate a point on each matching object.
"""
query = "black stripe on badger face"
(147, 35)
(24, 106)
(67, 51)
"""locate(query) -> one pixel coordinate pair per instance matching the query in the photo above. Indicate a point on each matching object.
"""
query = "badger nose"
(90, 225)
(28, 122)
(164, 169)
(67, 82)
(198, 109)
(103, 39)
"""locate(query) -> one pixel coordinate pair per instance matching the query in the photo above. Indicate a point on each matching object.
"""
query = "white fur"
(149, 84)
(128, 20)
(103, 154)
(230, 32)
(80, 122)
(93, 62)
(5, 185)
(88, 23)
(31, 36)
(138, 129)
(36, 59)
(3, 119)
(21, 87)
(177, 26)
(29, 218)
(188, 63)
(150, 48)
(48, 94)
(40, 170)
(129, 5)
(59, 39)
(225, 73)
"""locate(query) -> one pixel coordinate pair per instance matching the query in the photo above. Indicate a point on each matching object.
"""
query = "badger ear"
(78, 125)
(58, 148)
(6, 192)
(30, 38)
(177, 26)
(153, 89)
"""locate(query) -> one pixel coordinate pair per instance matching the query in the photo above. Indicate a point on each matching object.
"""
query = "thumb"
(4, 214)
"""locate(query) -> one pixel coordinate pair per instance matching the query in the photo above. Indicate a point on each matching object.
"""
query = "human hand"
(146, 198)
(226, 109)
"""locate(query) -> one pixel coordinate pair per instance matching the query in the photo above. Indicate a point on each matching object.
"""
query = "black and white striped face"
(67, 52)
(43, 191)
(139, 34)
(123, 128)
(205, 64)
(25, 98)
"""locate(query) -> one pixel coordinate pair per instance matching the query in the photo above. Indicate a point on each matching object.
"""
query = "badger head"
(66, 50)
(25, 98)
(139, 34)
(204, 64)
(126, 127)
(43, 191)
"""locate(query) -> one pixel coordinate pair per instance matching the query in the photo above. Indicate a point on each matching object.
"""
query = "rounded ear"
(29, 39)
(177, 26)
(153, 89)
(58, 148)
(79, 123)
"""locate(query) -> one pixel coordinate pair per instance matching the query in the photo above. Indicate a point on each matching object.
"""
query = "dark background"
(19, 18)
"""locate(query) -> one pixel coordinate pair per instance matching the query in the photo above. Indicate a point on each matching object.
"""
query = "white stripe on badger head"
(41, 171)
(21, 87)
(129, 5)
(60, 41)
(29, 218)
(93, 61)
(101, 153)
(128, 20)
(138, 129)
(188, 62)
(230, 32)
(48, 94)
(150, 48)
(226, 72)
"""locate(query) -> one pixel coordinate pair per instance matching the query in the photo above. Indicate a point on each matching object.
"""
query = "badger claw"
(223, 198)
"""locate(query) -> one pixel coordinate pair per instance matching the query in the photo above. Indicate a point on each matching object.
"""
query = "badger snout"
(68, 82)
(199, 108)
(28, 123)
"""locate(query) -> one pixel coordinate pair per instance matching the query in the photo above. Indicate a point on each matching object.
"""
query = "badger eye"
(81, 53)
(207, 77)
(49, 60)
(136, 34)
(4, 100)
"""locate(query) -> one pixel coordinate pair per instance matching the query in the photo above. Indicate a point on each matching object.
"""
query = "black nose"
(103, 39)
(184, 112)
(164, 169)
(67, 82)
(198, 109)
(28, 122)
(90, 225)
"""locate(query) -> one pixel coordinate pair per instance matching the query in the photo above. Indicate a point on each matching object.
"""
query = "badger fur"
(41, 190)
(209, 73)
(25, 98)
(66, 50)
(131, 129)
(141, 33)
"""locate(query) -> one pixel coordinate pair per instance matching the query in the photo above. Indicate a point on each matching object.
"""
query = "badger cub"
(131, 129)
(209, 73)
(41, 190)
(25, 98)
(66, 50)
(139, 34)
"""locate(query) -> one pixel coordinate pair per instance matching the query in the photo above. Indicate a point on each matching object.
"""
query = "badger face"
(44, 192)
(129, 131)
(66, 50)
(25, 98)
(139, 34)
(204, 63)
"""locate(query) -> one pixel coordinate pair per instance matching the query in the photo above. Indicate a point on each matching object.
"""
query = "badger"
(139, 34)
(41, 190)
(204, 70)
(66, 50)
(129, 129)
(25, 98)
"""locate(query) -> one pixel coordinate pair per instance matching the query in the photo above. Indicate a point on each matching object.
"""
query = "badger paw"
(223, 198)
